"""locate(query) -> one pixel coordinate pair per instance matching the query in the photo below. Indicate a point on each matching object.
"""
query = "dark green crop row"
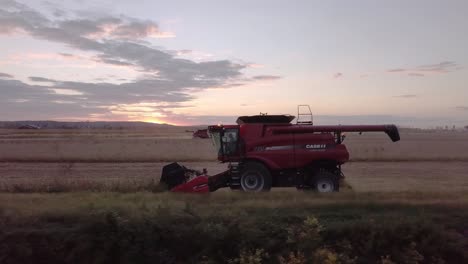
(164, 228)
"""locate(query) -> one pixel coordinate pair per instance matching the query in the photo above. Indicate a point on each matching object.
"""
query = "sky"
(207, 62)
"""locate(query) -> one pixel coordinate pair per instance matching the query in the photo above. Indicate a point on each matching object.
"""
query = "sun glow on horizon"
(159, 121)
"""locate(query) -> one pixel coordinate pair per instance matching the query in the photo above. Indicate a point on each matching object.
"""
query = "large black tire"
(255, 177)
(325, 181)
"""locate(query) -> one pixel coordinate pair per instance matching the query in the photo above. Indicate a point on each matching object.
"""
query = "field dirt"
(362, 176)
(422, 161)
(175, 144)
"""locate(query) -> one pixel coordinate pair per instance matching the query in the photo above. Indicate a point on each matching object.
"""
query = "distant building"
(28, 127)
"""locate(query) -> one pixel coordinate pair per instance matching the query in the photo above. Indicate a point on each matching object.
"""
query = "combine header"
(265, 151)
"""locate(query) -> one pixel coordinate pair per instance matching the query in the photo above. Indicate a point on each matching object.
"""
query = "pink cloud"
(255, 65)
(462, 108)
(397, 70)
(406, 96)
(337, 75)
(129, 30)
(5, 75)
(266, 77)
(415, 74)
(420, 71)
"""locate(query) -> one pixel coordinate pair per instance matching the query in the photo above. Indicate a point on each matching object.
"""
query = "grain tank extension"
(265, 151)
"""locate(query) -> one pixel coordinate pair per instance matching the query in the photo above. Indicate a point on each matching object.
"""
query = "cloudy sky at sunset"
(204, 62)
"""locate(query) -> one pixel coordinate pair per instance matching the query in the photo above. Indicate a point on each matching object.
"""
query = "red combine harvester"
(201, 133)
(265, 151)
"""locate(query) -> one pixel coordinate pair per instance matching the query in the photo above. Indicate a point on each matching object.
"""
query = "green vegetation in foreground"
(277, 227)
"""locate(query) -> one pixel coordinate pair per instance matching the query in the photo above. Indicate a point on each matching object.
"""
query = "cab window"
(229, 140)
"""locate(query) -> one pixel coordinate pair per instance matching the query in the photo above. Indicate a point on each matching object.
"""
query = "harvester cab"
(225, 139)
(265, 151)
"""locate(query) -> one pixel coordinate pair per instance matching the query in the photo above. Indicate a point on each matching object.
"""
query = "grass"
(60, 185)
(220, 203)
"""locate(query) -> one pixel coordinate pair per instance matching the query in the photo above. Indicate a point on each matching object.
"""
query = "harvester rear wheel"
(325, 181)
(255, 178)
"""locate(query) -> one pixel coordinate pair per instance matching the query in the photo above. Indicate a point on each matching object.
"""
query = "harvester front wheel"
(325, 181)
(255, 178)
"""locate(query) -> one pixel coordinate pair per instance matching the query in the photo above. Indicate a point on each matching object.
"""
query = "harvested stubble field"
(131, 160)
(76, 196)
(143, 176)
(173, 143)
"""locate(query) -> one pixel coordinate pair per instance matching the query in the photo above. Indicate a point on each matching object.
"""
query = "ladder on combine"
(304, 115)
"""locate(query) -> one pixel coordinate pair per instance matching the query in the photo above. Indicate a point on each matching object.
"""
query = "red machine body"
(291, 154)
(201, 133)
(282, 146)
(267, 151)
(196, 185)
